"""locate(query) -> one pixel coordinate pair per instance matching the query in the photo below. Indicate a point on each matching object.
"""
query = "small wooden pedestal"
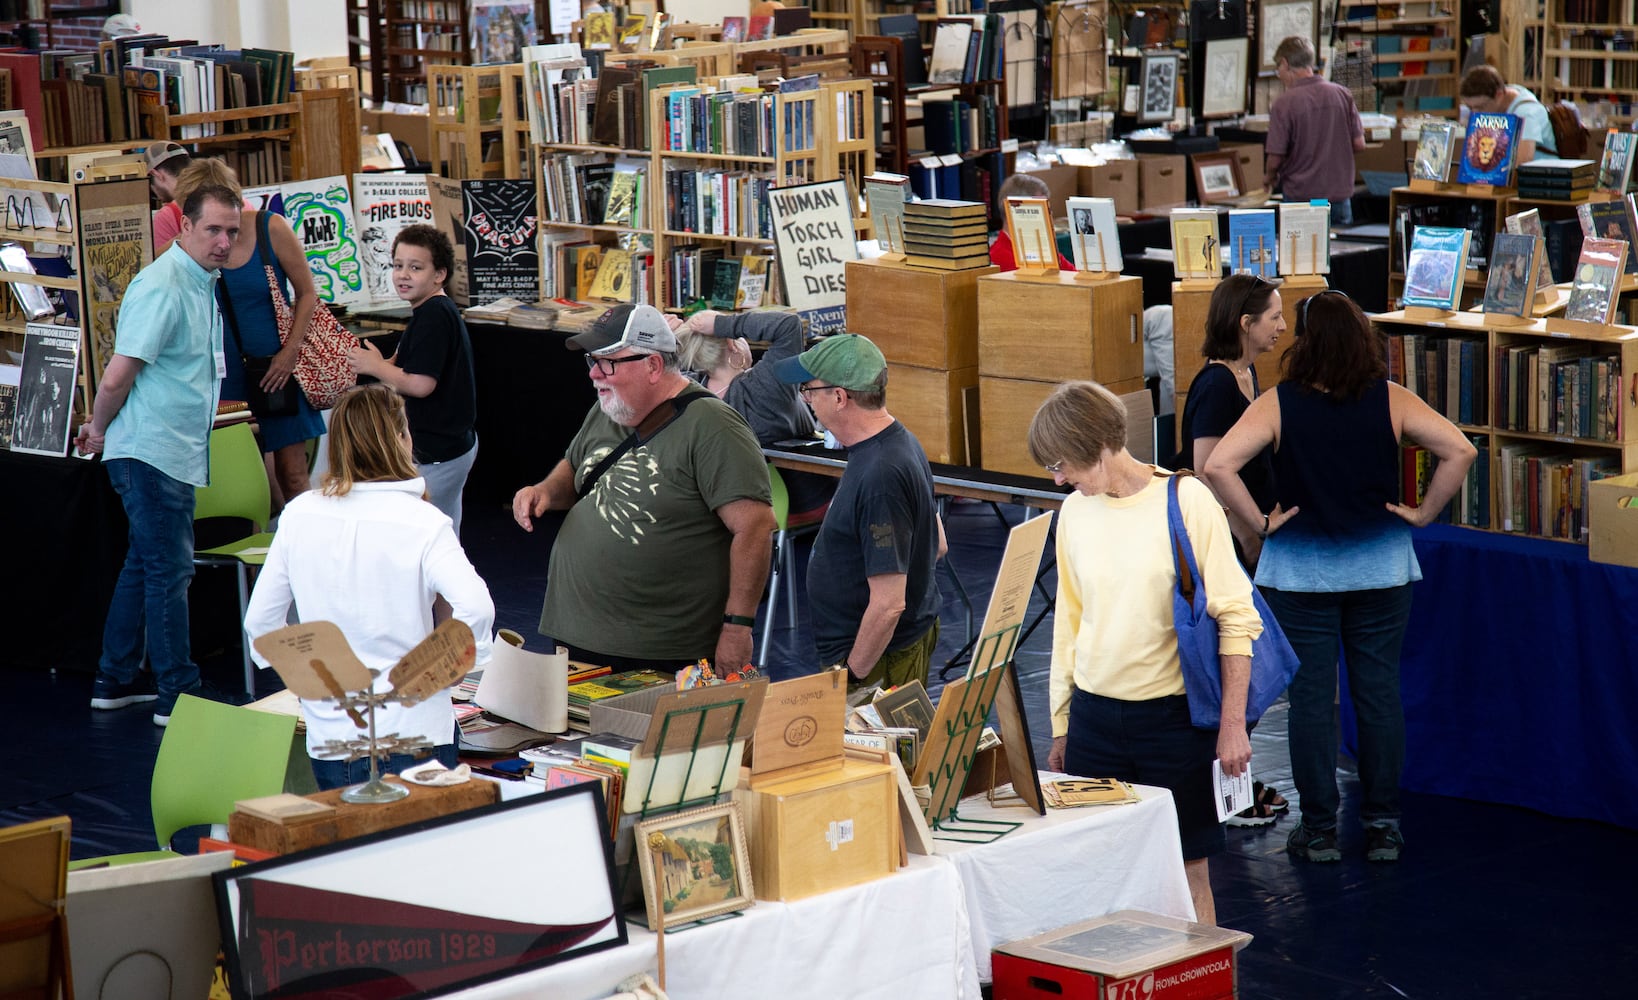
(349, 820)
(824, 828)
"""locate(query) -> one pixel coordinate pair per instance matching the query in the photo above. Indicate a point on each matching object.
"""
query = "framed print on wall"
(1158, 100)
(1280, 19)
(1224, 94)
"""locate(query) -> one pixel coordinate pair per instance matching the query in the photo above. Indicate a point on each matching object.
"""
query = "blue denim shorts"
(1150, 743)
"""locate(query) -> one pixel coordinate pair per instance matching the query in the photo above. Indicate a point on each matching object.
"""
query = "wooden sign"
(314, 660)
(801, 723)
(1014, 581)
(813, 227)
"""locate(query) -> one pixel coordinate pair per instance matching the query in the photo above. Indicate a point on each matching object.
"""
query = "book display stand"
(1084, 240)
(952, 743)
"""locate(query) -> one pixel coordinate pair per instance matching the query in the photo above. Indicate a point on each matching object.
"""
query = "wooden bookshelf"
(467, 107)
(1561, 427)
(1492, 204)
(1589, 55)
(1413, 50)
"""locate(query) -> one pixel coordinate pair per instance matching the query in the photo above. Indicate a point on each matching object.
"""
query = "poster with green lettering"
(383, 204)
(813, 228)
(321, 213)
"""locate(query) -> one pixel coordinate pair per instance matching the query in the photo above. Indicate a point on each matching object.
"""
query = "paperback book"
(1597, 281)
(1487, 155)
(1029, 223)
(1609, 220)
(1305, 239)
(1195, 252)
(1433, 152)
(1510, 289)
(1615, 169)
(885, 197)
(1253, 242)
(1528, 223)
(1094, 236)
(1435, 270)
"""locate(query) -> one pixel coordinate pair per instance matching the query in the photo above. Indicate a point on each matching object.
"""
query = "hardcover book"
(885, 197)
(725, 283)
(1597, 281)
(1305, 239)
(951, 41)
(1254, 241)
(45, 390)
(1195, 252)
(1609, 220)
(1511, 287)
(753, 280)
(1528, 223)
(1093, 235)
(1487, 155)
(1433, 152)
(1615, 169)
(1437, 265)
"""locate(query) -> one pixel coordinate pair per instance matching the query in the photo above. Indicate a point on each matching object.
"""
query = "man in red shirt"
(1313, 132)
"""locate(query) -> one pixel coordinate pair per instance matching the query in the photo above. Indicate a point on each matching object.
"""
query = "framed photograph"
(366, 912)
(1217, 177)
(694, 864)
(1224, 94)
(1158, 90)
(1280, 19)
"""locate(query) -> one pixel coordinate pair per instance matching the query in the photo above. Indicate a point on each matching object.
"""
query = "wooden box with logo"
(1128, 955)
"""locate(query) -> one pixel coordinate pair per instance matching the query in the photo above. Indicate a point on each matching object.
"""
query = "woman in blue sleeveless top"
(1337, 562)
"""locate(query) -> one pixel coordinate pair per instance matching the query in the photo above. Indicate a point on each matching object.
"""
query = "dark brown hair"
(1482, 81)
(433, 241)
(1236, 295)
(1336, 349)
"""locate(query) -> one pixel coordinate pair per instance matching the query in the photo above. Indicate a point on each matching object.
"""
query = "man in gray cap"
(870, 579)
(663, 555)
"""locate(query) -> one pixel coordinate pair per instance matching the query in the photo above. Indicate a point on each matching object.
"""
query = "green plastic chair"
(213, 755)
(783, 563)
(238, 488)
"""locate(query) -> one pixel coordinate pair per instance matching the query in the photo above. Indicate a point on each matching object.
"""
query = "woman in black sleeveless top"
(1337, 563)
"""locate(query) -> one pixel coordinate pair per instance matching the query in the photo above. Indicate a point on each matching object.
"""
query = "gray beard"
(617, 410)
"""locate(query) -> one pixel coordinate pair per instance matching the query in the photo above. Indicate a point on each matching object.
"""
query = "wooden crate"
(915, 315)
(1057, 328)
(1009, 405)
(928, 401)
(355, 820)
(822, 831)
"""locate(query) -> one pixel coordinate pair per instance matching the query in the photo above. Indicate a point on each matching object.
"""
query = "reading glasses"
(606, 365)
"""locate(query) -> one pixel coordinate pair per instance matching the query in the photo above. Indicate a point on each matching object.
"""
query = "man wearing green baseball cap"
(871, 581)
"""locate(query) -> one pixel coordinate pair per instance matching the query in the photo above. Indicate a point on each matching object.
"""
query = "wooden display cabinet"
(917, 316)
(1493, 203)
(1056, 327)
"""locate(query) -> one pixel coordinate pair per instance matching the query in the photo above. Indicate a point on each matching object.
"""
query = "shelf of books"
(1543, 400)
(1522, 31)
(1484, 215)
(1413, 52)
(1589, 55)
(415, 34)
(473, 135)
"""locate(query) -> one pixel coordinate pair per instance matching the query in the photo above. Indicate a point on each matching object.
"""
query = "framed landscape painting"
(694, 864)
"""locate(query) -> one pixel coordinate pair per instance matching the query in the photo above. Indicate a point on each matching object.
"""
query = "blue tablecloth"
(1517, 682)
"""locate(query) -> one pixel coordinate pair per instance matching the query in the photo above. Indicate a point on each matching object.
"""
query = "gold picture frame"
(681, 856)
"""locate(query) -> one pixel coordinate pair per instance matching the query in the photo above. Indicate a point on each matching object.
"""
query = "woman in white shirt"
(369, 553)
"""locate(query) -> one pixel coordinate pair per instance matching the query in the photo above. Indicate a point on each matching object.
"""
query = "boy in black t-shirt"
(432, 368)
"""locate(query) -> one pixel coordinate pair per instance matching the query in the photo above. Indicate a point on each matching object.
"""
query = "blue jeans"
(1370, 625)
(152, 592)
(1342, 212)
(345, 773)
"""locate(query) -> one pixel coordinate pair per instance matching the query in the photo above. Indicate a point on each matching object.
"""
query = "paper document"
(1233, 794)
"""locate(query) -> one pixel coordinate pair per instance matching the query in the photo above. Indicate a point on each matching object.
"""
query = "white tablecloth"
(898, 938)
(1067, 866)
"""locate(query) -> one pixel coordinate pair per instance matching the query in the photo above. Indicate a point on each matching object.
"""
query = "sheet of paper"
(1233, 794)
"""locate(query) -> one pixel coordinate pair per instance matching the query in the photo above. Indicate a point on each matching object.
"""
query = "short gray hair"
(1297, 51)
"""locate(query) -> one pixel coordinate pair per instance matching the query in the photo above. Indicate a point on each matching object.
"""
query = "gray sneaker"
(1383, 843)
(1313, 845)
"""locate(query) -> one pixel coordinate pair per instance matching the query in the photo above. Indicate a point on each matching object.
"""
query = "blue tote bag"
(1273, 662)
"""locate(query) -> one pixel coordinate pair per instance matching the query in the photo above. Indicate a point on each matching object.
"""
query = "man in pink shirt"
(1313, 132)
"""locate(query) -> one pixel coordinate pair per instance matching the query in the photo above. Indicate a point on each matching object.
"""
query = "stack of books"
(946, 235)
(585, 692)
(1556, 180)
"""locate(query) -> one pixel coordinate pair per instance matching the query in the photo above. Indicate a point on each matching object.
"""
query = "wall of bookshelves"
(1589, 54)
(1413, 49)
(1542, 400)
(1521, 35)
(479, 125)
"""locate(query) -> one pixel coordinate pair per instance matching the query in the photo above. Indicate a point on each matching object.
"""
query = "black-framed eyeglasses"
(804, 389)
(1302, 314)
(606, 365)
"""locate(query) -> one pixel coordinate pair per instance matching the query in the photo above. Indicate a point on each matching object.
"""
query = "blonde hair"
(368, 440)
(699, 352)
(207, 173)
(1076, 425)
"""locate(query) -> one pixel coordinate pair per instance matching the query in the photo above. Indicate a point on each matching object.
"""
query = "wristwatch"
(745, 620)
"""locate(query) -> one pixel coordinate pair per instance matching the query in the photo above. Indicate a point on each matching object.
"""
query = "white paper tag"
(1233, 794)
(839, 833)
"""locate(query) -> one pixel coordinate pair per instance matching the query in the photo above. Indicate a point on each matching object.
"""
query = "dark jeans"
(1369, 625)
(150, 603)
(344, 773)
(1342, 212)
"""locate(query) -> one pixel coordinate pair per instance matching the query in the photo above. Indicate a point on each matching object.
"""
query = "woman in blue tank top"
(1337, 562)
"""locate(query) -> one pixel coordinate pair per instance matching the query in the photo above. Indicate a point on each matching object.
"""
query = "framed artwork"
(365, 912)
(1224, 94)
(1280, 19)
(1158, 100)
(1217, 176)
(694, 865)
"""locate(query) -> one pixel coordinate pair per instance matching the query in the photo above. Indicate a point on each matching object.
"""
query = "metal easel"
(946, 775)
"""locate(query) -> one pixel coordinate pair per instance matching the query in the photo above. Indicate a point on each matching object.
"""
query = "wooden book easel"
(1103, 273)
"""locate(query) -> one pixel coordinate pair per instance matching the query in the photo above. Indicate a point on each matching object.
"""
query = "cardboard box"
(1250, 155)
(930, 403)
(1392, 155)
(917, 316)
(1612, 519)
(1125, 954)
(1063, 182)
(413, 129)
(1162, 181)
(1010, 404)
(1117, 179)
(821, 829)
(1058, 327)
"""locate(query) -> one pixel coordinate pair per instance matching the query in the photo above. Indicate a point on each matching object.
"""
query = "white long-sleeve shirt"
(372, 562)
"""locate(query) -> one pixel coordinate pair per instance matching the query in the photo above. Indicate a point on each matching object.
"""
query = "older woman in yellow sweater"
(1117, 697)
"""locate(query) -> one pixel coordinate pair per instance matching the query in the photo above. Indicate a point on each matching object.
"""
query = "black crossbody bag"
(678, 404)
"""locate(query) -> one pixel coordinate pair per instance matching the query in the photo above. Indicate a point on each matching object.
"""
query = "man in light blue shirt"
(152, 421)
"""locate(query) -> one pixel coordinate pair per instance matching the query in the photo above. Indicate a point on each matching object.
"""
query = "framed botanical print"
(1224, 93)
(1158, 88)
(1279, 20)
